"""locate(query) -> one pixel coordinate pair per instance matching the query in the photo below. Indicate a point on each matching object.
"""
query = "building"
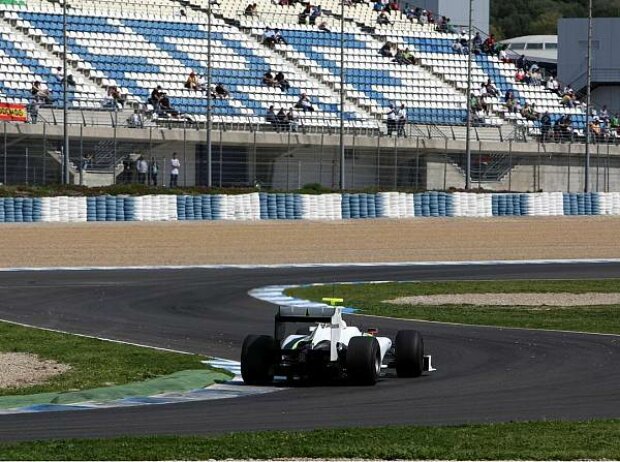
(540, 48)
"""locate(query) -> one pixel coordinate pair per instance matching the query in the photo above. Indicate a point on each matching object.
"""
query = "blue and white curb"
(268, 206)
(276, 296)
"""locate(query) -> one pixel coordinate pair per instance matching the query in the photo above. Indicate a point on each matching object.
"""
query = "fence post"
(568, 167)
(5, 163)
(26, 165)
(221, 157)
(184, 156)
(395, 163)
(44, 153)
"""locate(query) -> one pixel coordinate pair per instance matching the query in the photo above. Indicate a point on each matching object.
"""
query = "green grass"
(94, 363)
(534, 441)
(371, 297)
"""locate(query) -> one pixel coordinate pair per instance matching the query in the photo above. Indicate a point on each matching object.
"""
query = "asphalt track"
(484, 374)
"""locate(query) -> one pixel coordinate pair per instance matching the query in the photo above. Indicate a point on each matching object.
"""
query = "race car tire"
(258, 358)
(363, 360)
(409, 352)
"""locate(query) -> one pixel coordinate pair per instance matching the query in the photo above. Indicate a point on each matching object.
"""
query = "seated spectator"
(303, 16)
(553, 85)
(135, 120)
(269, 80)
(278, 37)
(269, 37)
(491, 89)
(522, 62)
(292, 120)
(165, 108)
(323, 27)
(488, 46)
(221, 91)
(304, 103)
(271, 117)
(155, 99)
(383, 19)
(483, 101)
(464, 43)
(520, 76)
(569, 99)
(528, 112)
(503, 55)
(457, 47)
(192, 82)
(282, 82)
(405, 57)
(474, 103)
(410, 13)
(387, 50)
(565, 127)
(604, 114)
(60, 76)
(118, 98)
(316, 13)
(545, 126)
(40, 93)
(250, 10)
(282, 120)
(378, 6)
(423, 19)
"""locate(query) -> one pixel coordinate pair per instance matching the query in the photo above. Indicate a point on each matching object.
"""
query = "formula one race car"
(328, 348)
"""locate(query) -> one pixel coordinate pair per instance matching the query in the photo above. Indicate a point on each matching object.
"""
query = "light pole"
(467, 98)
(586, 186)
(65, 132)
(342, 170)
(208, 127)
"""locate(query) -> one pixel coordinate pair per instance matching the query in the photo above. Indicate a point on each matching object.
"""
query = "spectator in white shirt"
(175, 165)
(142, 167)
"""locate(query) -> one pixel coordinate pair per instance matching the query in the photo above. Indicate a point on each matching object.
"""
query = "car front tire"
(409, 352)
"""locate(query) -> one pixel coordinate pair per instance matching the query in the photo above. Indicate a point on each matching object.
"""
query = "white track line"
(317, 265)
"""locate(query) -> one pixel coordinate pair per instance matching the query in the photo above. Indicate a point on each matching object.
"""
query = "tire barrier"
(433, 204)
(510, 205)
(581, 204)
(280, 206)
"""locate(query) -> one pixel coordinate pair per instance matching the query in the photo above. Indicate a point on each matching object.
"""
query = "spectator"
(387, 50)
(155, 99)
(40, 93)
(553, 85)
(33, 111)
(604, 115)
(457, 47)
(520, 76)
(522, 62)
(271, 117)
(392, 119)
(135, 120)
(142, 168)
(304, 103)
(383, 19)
(175, 165)
(117, 99)
(491, 89)
(316, 13)
(545, 126)
(392, 6)
(250, 10)
(282, 82)
(269, 80)
(528, 112)
(405, 57)
(221, 91)
(401, 121)
(282, 120)
(568, 99)
(488, 46)
(323, 27)
(293, 120)
(165, 108)
(477, 42)
(378, 6)
(60, 76)
(614, 124)
(153, 172)
(410, 13)
(279, 38)
(192, 82)
(269, 37)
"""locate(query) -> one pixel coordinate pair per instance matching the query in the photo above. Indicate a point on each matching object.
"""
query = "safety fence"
(283, 206)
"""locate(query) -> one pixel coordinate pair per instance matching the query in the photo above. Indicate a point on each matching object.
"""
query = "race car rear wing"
(302, 314)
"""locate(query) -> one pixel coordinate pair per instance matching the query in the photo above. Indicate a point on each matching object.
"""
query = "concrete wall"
(458, 11)
(572, 51)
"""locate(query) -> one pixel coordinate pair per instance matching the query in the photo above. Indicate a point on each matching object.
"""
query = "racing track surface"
(485, 374)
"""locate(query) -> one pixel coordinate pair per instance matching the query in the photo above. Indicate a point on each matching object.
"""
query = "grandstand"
(137, 45)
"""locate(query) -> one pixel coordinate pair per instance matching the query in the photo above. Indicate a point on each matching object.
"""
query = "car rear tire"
(258, 358)
(409, 352)
(363, 360)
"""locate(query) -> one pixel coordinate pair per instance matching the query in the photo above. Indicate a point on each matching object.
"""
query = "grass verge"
(511, 441)
(371, 299)
(94, 363)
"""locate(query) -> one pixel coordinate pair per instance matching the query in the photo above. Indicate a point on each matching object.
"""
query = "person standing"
(142, 167)
(153, 171)
(175, 165)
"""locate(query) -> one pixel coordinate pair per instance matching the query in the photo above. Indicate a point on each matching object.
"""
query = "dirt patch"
(512, 299)
(266, 242)
(25, 369)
